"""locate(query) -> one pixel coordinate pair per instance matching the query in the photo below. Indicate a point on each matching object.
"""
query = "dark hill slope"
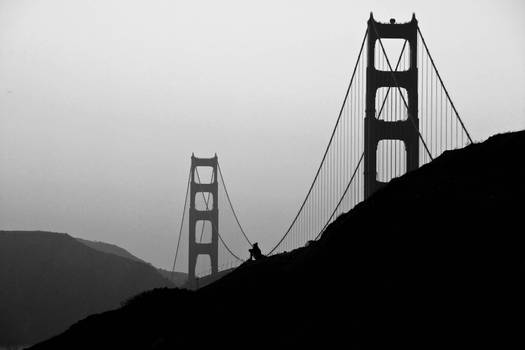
(50, 280)
(434, 260)
(177, 278)
(109, 248)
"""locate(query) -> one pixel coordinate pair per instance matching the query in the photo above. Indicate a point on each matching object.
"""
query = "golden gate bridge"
(396, 116)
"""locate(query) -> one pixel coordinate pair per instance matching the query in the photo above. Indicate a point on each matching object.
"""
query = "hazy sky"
(102, 103)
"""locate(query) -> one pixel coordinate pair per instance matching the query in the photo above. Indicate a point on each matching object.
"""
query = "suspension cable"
(228, 249)
(442, 84)
(327, 147)
(400, 92)
(218, 234)
(388, 90)
(342, 196)
(362, 155)
(181, 224)
(231, 206)
(206, 201)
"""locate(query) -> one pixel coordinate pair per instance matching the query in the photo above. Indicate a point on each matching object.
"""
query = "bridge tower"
(377, 130)
(209, 214)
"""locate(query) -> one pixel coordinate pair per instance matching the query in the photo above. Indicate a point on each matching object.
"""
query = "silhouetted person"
(255, 252)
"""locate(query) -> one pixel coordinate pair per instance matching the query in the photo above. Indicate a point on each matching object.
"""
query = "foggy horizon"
(103, 103)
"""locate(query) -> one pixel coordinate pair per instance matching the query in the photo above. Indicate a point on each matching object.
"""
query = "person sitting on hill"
(255, 252)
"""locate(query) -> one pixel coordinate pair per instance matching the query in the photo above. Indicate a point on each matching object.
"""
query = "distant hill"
(109, 248)
(177, 278)
(434, 260)
(50, 280)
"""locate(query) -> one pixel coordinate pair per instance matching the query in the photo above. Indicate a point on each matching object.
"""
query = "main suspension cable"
(206, 201)
(327, 147)
(443, 85)
(231, 206)
(362, 155)
(181, 224)
(401, 93)
(218, 234)
(342, 196)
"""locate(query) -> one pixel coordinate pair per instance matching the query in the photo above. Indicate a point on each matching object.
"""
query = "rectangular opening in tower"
(204, 201)
(398, 54)
(391, 161)
(389, 104)
(203, 265)
(204, 175)
(203, 231)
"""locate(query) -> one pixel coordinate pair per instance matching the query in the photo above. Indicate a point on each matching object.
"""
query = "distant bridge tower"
(377, 130)
(210, 214)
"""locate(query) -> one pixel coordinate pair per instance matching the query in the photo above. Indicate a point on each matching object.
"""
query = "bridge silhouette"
(396, 116)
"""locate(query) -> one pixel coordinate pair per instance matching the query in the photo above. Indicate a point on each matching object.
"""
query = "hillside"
(177, 278)
(109, 248)
(50, 280)
(434, 260)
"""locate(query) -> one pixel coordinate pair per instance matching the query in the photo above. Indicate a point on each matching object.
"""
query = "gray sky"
(102, 103)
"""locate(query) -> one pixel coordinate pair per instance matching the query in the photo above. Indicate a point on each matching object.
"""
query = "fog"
(103, 102)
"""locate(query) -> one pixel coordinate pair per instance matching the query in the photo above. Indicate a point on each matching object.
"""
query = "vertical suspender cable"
(231, 206)
(443, 85)
(399, 89)
(326, 151)
(181, 224)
